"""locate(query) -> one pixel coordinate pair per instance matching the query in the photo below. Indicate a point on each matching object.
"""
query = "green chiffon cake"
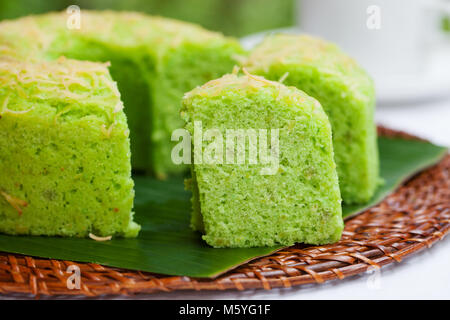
(64, 139)
(238, 204)
(154, 61)
(64, 151)
(346, 93)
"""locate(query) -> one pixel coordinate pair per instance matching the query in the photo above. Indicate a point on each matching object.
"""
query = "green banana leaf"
(399, 160)
(167, 245)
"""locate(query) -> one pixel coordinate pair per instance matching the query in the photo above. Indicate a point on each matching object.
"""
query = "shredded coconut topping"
(97, 238)
(283, 77)
(16, 203)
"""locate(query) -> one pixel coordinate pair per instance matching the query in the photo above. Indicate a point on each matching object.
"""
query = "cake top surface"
(64, 89)
(32, 81)
(307, 51)
(30, 37)
(247, 84)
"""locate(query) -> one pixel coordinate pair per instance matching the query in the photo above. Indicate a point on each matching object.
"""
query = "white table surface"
(425, 275)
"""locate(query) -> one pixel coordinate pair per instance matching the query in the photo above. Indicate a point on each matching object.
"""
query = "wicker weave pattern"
(413, 218)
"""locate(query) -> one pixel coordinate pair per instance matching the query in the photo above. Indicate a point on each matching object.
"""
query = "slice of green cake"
(154, 61)
(346, 93)
(284, 193)
(64, 151)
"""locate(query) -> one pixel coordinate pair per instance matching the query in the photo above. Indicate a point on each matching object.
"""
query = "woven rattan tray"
(409, 220)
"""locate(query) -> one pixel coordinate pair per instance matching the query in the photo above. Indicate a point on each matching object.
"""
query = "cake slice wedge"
(285, 190)
(64, 151)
